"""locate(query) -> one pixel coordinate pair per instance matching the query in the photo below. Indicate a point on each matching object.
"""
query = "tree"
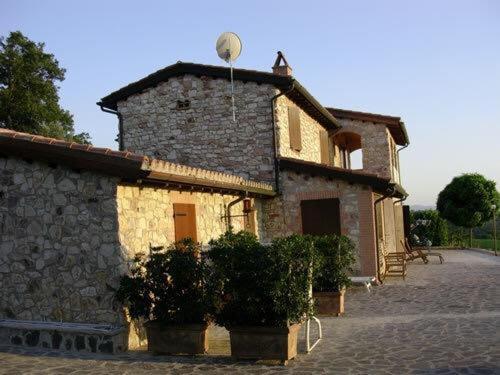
(466, 201)
(29, 100)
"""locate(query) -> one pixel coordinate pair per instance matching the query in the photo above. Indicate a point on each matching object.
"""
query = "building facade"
(73, 217)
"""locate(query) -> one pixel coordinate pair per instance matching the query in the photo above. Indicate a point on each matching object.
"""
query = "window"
(294, 128)
(320, 216)
(324, 149)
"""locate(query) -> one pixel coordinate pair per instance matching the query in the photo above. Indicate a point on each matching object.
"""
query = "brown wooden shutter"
(320, 216)
(294, 128)
(185, 221)
(323, 142)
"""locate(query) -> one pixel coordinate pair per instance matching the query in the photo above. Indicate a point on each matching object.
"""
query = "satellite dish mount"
(229, 48)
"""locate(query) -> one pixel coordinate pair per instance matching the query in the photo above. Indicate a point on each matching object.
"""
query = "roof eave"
(329, 118)
(127, 169)
(405, 134)
(379, 185)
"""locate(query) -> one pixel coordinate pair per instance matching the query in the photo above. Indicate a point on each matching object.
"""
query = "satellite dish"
(228, 46)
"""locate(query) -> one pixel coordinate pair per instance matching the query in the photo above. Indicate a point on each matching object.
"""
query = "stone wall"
(146, 216)
(204, 134)
(375, 144)
(282, 216)
(310, 133)
(67, 237)
(59, 252)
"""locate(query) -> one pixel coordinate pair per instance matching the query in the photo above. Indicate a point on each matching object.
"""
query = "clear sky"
(434, 63)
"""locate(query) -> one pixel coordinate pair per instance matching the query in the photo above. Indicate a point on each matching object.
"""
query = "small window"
(294, 128)
(324, 147)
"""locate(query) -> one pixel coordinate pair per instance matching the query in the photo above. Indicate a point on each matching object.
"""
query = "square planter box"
(264, 342)
(329, 303)
(177, 339)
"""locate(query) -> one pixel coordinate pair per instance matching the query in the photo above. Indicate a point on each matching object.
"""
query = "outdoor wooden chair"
(395, 265)
(416, 253)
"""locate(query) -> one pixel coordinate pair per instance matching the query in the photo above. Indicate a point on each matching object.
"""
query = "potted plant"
(168, 289)
(263, 293)
(335, 259)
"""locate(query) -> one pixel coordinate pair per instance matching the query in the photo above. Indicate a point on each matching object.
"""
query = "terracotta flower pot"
(177, 339)
(264, 342)
(329, 303)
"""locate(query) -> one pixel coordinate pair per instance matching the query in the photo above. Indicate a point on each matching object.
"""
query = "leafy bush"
(335, 257)
(436, 231)
(261, 285)
(169, 286)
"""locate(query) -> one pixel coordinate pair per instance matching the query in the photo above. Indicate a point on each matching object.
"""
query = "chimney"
(282, 70)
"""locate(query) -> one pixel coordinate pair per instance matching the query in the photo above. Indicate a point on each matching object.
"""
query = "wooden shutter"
(320, 216)
(325, 152)
(185, 221)
(294, 128)
(379, 212)
(406, 221)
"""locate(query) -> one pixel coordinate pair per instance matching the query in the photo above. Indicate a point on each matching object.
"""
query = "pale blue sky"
(434, 63)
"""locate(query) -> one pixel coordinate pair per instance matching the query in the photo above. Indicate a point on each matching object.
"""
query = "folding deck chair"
(416, 253)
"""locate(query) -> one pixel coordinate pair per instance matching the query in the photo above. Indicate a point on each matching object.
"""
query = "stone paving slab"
(443, 319)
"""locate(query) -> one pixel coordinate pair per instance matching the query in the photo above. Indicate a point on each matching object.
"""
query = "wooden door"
(320, 216)
(185, 221)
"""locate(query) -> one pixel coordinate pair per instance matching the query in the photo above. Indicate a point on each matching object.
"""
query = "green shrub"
(335, 257)
(169, 286)
(261, 285)
(436, 231)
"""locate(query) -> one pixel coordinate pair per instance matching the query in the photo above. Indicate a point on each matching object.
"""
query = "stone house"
(72, 216)
(282, 136)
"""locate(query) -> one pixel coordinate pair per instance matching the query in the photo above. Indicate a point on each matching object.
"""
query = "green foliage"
(466, 201)
(457, 236)
(29, 100)
(436, 231)
(261, 285)
(485, 243)
(169, 286)
(335, 257)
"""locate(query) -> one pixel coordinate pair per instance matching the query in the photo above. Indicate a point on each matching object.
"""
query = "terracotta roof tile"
(124, 164)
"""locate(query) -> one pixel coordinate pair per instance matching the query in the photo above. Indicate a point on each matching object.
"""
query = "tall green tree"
(467, 200)
(29, 100)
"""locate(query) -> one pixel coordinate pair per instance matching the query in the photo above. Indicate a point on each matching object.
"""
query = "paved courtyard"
(444, 319)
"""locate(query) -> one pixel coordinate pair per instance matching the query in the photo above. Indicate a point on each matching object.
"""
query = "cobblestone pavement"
(444, 319)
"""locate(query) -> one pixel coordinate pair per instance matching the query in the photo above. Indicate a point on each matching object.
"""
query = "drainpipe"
(275, 144)
(399, 163)
(120, 124)
(389, 193)
(228, 211)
